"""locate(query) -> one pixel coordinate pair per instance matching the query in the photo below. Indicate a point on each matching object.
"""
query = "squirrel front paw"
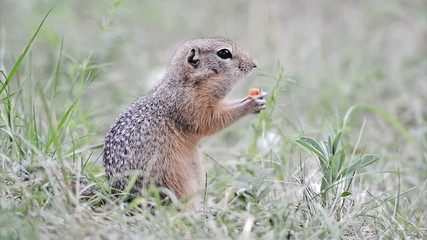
(256, 104)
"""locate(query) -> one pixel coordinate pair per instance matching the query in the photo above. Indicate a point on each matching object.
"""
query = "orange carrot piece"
(253, 92)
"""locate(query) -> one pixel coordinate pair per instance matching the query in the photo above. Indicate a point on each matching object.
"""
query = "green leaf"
(326, 149)
(342, 156)
(336, 162)
(362, 162)
(324, 187)
(335, 144)
(313, 146)
(345, 194)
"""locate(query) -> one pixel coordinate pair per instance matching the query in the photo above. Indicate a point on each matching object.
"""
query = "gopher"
(157, 137)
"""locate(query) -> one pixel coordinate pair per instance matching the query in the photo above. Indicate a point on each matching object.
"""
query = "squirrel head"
(212, 66)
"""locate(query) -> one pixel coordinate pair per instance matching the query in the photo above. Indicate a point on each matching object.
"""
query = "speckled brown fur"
(157, 136)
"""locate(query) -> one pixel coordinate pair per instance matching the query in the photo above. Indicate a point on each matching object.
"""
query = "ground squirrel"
(157, 136)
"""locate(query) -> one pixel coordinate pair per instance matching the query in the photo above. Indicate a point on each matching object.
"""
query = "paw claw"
(261, 96)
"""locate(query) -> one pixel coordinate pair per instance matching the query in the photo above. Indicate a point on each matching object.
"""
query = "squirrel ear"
(193, 57)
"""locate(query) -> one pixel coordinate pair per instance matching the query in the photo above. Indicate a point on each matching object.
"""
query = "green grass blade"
(27, 48)
(85, 149)
(383, 114)
(4, 76)
(67, 114)
(57, 70)
(55, 131)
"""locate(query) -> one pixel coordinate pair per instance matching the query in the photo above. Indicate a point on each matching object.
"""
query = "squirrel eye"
(224, 54)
